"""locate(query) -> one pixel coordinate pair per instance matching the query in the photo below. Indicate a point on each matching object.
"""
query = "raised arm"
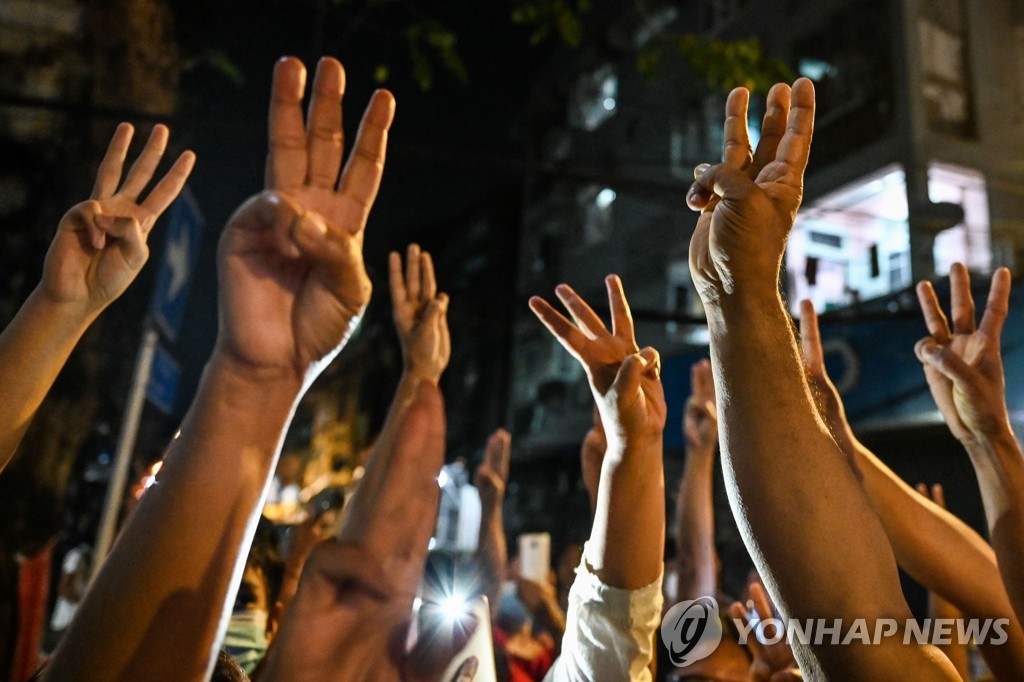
(695, 510)
(491, 480)
(965, 374)
(353, 608)
(924, 536)
(615, 602)
(292, 288)
(941, 608)
(798, 505)
(99, 248)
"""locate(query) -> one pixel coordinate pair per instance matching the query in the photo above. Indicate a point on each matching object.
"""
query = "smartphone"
(535, 556)
(479, 644)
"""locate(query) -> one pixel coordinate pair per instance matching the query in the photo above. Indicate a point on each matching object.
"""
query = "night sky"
(449, 148)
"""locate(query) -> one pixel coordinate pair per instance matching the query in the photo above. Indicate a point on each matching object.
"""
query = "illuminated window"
(970, 241)
(851, 244)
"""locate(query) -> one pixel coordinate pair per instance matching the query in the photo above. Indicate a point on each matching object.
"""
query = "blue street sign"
(162, 387)
(184, 227)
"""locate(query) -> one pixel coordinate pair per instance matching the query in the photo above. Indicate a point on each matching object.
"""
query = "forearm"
(999, 465)
(491, 553)
(155, 609)
(797, 503)
(33, 350)
(695, 526)
(628, 535)
(923, 536)
(955, 651)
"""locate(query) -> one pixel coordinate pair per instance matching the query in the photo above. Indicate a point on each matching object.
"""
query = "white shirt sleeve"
(609, 633)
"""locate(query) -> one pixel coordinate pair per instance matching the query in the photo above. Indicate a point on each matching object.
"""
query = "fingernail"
(104, 221)
(699, 170)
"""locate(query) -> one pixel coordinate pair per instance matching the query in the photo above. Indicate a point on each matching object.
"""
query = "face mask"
(246, 638)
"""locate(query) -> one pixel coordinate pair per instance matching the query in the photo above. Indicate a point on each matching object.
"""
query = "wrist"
(71, 315)
(414, 374)
(743, 302)
(700, 454)
(988, 446)
(246, 377)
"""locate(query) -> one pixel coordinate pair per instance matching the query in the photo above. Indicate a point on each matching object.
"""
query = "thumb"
(948, 363)
(653, 360)
(726, 181)
(627, 380)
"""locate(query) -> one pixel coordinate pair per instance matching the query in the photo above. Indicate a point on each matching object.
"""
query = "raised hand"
(625, 381)
(743, 228)
(629, 507)
(770, 662)
(492, 475)
(830, 403)
(700, 417)
(963, 367)
(292, 278)
(420, 314)
(100, 244)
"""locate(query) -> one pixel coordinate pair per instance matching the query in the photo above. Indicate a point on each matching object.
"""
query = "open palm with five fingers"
(100, 244)
(625, 380)
(963, 367)
(292, 278)
(749, 201)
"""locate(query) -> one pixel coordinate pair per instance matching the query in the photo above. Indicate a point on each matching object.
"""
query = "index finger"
(934, 318)
(571, 338)
(998, 305)
(286, 132)
(795, 146)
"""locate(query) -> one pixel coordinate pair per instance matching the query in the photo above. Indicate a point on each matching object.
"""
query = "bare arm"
(628, 534)
(292, 288)
(924, 536)
(940, 608)
(99, 249)
(964, 370)
(695, 512)
(799, 507)
(492, 549)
